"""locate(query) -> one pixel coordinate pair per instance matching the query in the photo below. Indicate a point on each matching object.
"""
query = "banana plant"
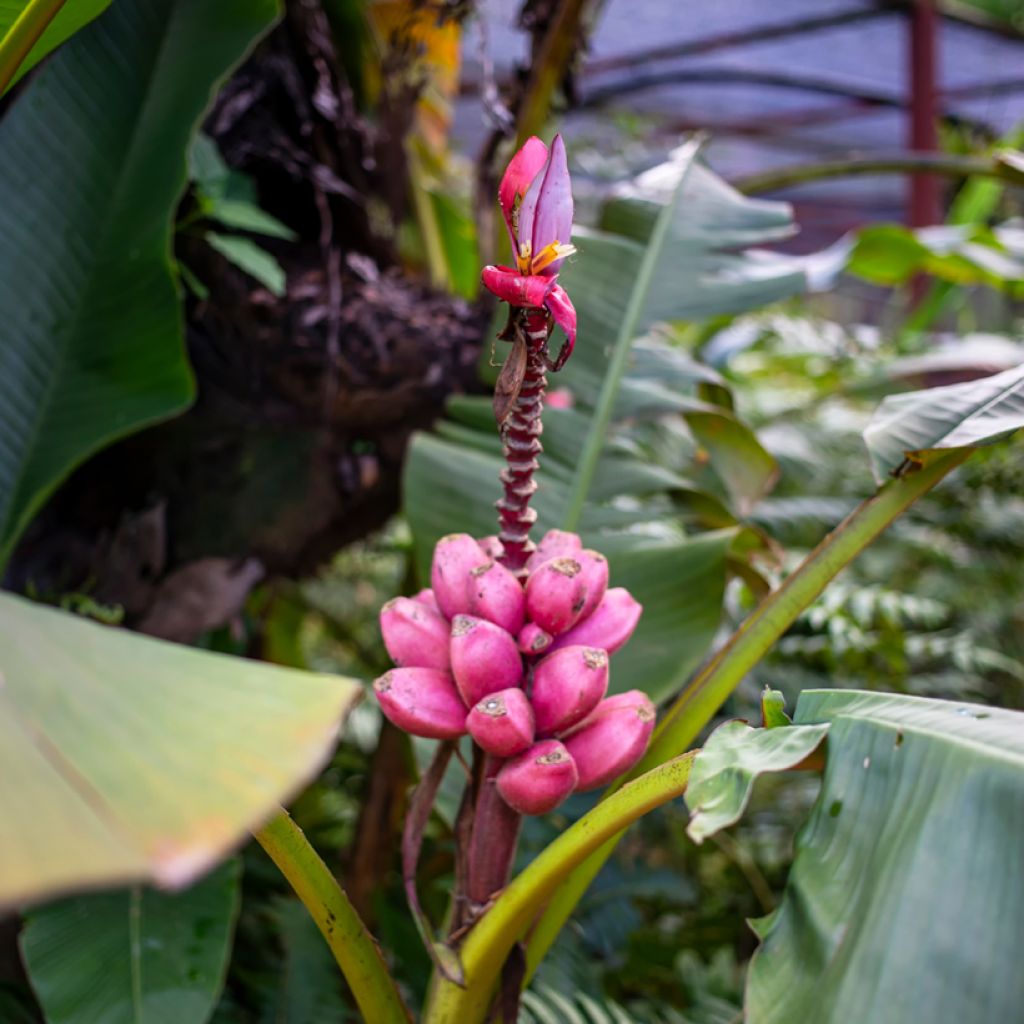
(561, 646)
(513, 643)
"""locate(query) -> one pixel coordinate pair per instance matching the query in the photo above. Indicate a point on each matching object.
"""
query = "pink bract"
(545, 215)
(536, 200)
(516, 181)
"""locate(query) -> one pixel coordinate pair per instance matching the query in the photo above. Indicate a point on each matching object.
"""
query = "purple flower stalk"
(511, 643)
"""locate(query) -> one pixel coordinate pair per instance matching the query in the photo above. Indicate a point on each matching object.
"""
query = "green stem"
(722, 674)
(23, 35)
(426, 218)
(490, 941)
(354, 948)
(897, 163)
(548, 67)
(602, 416)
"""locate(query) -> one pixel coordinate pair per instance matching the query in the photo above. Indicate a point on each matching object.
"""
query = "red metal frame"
(924, 204)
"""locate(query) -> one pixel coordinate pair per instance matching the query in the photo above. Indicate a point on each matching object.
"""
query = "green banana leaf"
(136, 956)
(68, 20)
(906, 900)
(124, 758)
(911, 428)
(308, 988)
(92, 162)
(888, 254)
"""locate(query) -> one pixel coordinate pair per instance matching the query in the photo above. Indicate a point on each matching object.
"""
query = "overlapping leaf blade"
(93, 161)
(134, 955)
(914, 427)
(905, 897)
(730, 762)
(156, 758)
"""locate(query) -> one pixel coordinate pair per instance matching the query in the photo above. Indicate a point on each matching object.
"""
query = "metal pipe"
(924, 204)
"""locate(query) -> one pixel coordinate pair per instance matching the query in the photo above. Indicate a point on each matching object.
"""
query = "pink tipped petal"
(496, 595)
(560, 306)
(516, 289)
(454, 557)
(485, 658)
(518, 177)
(555, 544)
(539, 779)
(502, 724)
(533, 640)
(594, 570)
(555, 595)
(415, 635)
(612, 739)
(545, 215)
(608, 626)
(567, 686)
(423, 702)
(556, 197)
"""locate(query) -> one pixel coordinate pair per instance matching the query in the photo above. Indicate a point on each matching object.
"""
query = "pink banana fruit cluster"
(519, 665)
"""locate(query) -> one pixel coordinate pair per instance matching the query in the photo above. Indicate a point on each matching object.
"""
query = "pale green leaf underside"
(134, 956)
(916, 425)
(68, 20)
(125, 758)
(726, 768)
(906, 898)
(92, 161)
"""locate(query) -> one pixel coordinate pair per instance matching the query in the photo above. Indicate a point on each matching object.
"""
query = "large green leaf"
(308, 989)
(906, 899)
(133, 956)
(125, 758)
(916, 426)
(703, 270)
(888, 254)
(68, 20)
(92, 161)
